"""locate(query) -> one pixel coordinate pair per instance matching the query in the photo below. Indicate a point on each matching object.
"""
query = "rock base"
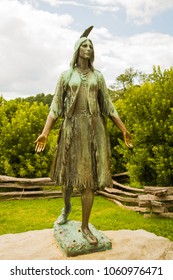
(72, 243)
(126, 245)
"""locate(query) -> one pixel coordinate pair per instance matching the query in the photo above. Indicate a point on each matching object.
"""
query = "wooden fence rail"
(24, 188)
(149, 200)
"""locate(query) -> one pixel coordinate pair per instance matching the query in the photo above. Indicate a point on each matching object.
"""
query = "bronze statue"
(82, 157)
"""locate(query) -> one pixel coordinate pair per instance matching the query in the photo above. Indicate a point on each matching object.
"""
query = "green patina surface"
(72, 243)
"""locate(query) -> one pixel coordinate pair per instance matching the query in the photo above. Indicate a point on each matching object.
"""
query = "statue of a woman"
(82, 157)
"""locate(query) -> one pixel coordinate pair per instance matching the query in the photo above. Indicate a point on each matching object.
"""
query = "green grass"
(21, 216)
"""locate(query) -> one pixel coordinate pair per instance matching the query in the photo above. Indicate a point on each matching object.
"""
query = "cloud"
(97, 9)
(32, 45)
(36, 46)
(142, 11)
(57, 3)
(138, 11)
(141, 51)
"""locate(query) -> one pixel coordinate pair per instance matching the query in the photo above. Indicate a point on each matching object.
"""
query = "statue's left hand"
(40, 143)
(127, 139)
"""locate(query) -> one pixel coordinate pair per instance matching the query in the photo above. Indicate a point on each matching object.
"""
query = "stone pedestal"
(70, 240)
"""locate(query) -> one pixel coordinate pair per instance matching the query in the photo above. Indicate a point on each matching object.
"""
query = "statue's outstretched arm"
(42, 138)
(126, 134)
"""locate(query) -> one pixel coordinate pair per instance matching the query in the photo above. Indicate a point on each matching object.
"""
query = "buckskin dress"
(82, 157)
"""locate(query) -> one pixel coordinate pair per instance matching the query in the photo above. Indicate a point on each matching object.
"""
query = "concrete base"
(72, 243)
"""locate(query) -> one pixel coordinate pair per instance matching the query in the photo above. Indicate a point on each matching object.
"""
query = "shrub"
(148, 113)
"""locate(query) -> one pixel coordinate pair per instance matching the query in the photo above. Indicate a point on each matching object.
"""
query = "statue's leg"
(66, 192)
(87, 199)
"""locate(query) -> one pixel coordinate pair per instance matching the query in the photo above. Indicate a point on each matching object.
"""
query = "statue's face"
(86, 49)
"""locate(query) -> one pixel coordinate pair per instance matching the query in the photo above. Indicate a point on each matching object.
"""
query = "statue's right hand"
(127, 139)
(40, 143)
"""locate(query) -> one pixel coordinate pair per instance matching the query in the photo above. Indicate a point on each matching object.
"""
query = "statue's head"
(77, 45)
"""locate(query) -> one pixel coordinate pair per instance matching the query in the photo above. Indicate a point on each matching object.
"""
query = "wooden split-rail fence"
(147, 200)
(12, 188)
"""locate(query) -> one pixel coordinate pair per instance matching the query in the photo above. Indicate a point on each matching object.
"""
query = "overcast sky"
(37, 39)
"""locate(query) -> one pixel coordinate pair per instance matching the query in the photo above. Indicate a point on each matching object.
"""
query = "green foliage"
(148, 113)
(129, 78)
(40, 97)
(118, 161)
(20, 125)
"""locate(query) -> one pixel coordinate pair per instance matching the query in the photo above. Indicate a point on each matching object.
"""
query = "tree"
(130, 77)
(148, 112)
(127, 78)
(41, 97)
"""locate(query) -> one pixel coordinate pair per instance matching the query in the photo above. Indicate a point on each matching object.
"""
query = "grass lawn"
(25, 215)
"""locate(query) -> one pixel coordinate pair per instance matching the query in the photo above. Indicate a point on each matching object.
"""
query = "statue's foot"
(87, 234)
(62, 219)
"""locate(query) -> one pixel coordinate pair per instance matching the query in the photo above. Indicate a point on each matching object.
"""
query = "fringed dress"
(82, 157)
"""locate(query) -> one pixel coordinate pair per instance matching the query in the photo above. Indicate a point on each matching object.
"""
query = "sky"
(37, 39)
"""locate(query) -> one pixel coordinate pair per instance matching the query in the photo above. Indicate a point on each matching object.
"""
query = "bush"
(20, 125)
(148, 113)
